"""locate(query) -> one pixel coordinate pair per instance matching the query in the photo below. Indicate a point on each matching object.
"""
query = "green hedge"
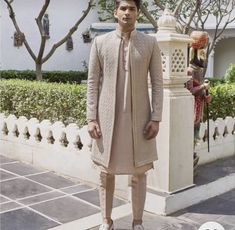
(53, 101)
(67, 102)
(216, 81)
(230, 74)
(49, 76)
(223, 101)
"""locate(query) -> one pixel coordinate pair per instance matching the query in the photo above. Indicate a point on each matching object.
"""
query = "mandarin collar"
(119, 33)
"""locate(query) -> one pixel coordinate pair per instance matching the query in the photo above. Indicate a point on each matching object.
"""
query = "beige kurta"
(122, 151)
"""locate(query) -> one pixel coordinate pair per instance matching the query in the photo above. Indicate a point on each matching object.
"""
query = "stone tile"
(41, 198)
(5, 175)
(21, 169)
(214, 205)
(226, 225)
(93, 197)
(8, 206)
(4, 160)
(230, 196)
(158, 222)
(150, 222)
(212, 171)
(65, 209)
(181, 226)
(52, 180)
(20, 188)
(25, 219)
(199, 218)
(3, 199)
(76, 189)
(229, 219)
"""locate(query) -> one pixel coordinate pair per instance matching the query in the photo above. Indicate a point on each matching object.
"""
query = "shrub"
(67, 102)
(53, 101)
(49, 76)
(230, 74)
(216, 81)
(223, 101)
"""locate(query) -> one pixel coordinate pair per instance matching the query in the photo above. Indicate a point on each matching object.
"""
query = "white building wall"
(224, 56)
(62, 14)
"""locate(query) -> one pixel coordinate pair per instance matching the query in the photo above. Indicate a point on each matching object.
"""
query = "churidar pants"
(138, 192)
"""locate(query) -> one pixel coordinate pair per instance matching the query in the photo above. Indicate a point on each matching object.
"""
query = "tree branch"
(39, 18)
(187, 25)
(149, 16)
(71, 31)
(159, 5)
(179, 4)
(12, 16)
(41, 30)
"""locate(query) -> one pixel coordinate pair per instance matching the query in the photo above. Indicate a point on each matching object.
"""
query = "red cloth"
(198, 91)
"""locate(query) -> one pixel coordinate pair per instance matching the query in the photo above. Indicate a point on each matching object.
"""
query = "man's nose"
(127, 12)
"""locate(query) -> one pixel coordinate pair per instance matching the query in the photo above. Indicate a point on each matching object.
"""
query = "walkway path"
(35, 199)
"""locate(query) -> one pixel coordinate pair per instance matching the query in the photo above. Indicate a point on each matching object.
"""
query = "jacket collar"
(120, 34)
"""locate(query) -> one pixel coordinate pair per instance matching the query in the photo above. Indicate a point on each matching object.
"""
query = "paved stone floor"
(35, 199)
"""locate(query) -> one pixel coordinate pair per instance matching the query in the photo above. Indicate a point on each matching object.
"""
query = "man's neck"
(125, 31)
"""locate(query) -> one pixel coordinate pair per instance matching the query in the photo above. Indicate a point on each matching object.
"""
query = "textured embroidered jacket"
(101, 95)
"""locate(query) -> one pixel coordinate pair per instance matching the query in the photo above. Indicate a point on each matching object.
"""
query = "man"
(119, 115)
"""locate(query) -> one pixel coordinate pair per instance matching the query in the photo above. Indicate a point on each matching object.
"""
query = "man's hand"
(94, 129)
(151, 130)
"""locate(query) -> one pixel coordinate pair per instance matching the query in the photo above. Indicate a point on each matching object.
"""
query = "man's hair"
(137, 3)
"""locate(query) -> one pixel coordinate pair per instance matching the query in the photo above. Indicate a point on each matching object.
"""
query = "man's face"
(126, 13)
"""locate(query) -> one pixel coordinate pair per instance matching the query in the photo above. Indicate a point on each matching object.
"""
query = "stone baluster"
(33, 129)
(85, 138)
(230, 123)
(58, 130)
(72, 133)
(45, 130)
(202, 132)
(11, 122)
(22, 127)
(212, 130)
(2, 124)
(220, 128)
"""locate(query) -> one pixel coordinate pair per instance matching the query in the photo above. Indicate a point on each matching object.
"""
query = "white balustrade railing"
(43, 133)
(71, 137)
(221, 139)
(52, 146)
(66, 149)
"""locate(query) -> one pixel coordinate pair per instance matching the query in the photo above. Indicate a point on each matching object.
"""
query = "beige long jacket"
(101, 95)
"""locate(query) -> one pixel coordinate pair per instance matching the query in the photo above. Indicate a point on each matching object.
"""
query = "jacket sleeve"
(156, 78)
(93, 82)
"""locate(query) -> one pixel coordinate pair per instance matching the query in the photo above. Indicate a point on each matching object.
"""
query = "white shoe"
(106, 227)
(138, 227)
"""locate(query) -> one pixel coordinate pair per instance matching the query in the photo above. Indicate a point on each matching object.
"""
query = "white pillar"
(174, 169)
(210, 68)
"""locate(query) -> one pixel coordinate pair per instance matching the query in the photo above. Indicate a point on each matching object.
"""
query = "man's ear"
(115, 14)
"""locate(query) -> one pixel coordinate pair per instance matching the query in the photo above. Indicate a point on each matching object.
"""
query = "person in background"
(197, 85)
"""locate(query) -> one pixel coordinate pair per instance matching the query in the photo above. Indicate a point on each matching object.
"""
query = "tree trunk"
(38, 71)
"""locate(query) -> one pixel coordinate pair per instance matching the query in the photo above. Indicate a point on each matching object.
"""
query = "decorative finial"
(167, 22)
